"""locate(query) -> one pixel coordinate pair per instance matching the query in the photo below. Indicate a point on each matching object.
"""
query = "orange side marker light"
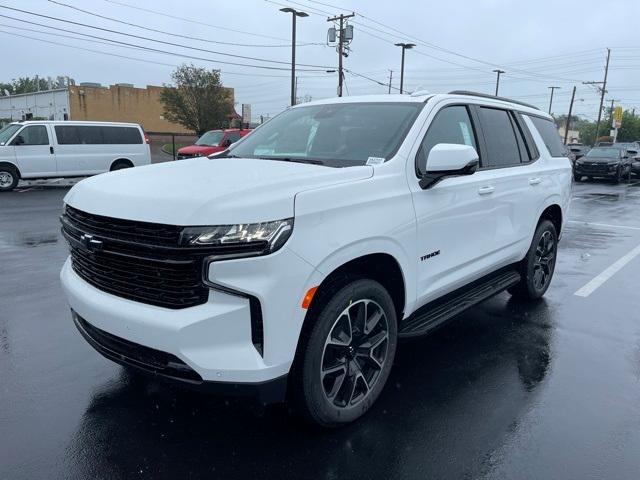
(306, 301)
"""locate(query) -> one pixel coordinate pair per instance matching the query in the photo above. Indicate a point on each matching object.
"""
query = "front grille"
(138, 261)
(130, 353)
(595, 167)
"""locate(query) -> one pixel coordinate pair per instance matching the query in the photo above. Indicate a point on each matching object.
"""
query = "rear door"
(34, 152)
(516, 181)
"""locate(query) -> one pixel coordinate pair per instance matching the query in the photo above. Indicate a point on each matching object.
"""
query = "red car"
(213, 141)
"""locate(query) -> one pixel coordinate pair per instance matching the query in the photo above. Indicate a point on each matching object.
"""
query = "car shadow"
(451, 399)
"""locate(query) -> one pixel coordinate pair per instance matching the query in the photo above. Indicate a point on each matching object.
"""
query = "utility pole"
(551, 99)
(341, 34)
(498, 73)
(568, 122)
(604, 89)
(294, 14)
(404, 46)
(390, 79)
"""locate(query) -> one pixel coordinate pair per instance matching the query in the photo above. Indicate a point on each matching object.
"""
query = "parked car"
(578, 150)
(48, 149)
(569, 154)
(211, 142)
(290, 266)
(604, 162)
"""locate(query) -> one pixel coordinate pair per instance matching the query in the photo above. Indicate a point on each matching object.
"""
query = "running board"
(435, 313)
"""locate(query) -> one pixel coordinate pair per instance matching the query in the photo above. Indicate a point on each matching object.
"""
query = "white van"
(45, 149)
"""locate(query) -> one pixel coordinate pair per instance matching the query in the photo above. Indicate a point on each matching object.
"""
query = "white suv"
(289, 265)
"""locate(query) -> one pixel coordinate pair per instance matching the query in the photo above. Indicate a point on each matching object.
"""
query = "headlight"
(246, 239)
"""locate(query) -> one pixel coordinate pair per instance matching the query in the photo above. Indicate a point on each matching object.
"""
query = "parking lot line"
(609, 272)
(606, 225)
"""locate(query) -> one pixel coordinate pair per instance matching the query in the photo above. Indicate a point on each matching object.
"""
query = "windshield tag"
(375, 160)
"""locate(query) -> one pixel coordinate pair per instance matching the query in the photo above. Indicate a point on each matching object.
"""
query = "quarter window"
(34, 135)
(500, 138)
(550, 136)
(450, 125)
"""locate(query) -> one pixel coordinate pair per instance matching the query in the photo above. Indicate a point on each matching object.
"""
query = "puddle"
(28, 239)
(609, 197)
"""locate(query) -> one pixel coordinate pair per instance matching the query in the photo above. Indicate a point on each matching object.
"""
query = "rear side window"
(97, 135)
(550, 136)
(503, 149)
(450, 125)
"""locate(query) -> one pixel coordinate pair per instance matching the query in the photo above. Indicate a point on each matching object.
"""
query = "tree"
(196, 100)
(33, 84)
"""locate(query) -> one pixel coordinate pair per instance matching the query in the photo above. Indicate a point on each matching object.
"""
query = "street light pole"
(294, 15)
(498, 72)
(404, 46)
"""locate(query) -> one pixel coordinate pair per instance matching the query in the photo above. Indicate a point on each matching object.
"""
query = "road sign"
(246, 113)
(617, 117)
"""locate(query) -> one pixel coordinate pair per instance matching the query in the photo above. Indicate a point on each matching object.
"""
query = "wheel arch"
(553, 213)
(122, 160)
(12, 165)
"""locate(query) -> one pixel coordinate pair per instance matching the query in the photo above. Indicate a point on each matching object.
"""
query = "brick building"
(116, 103)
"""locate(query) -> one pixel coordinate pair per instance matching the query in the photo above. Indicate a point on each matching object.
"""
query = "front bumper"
(169, 368)
(213, 339)
(588, 172)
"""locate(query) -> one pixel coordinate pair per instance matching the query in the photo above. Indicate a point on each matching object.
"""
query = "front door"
(34, 152)
(456, 218)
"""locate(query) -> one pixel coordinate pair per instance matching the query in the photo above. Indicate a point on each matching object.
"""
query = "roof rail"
(493, 97)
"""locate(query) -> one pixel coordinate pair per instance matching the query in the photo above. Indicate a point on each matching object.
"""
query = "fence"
(164, 145)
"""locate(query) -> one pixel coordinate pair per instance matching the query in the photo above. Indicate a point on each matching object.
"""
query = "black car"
(633, 150)
(578, 150)
(604, 162)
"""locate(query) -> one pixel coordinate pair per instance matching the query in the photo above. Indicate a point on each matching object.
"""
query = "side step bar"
(435, 313)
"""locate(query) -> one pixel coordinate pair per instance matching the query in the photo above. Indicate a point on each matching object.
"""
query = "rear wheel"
(8, 178)
(347, 355)
(538, 266)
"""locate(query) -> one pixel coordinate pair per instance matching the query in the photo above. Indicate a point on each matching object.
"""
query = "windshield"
(604, 152)
(211, 139)
(7, 132)
(336, 135)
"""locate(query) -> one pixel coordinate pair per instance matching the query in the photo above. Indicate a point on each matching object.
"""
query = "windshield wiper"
(294, 159)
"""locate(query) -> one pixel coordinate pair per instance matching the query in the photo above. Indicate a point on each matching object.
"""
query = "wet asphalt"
(549, 390)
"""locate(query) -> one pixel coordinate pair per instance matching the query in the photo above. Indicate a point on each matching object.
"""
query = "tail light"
(146, 139)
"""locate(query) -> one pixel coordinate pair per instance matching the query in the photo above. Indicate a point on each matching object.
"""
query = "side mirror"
(19, 140)
(449, 160)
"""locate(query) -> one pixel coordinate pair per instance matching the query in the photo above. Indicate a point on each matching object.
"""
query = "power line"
(156, 50)
(196, 22)
(200, 39)
(140, 37)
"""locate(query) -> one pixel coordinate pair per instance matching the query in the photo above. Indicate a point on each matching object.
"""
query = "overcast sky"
(539, 44)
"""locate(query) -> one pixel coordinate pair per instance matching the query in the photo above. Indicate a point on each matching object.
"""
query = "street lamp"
(295, 14)
(498, 72)
(405, 46)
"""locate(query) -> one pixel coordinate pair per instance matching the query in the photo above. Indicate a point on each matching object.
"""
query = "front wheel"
(538, 266)
(8, 179)
(346, 356)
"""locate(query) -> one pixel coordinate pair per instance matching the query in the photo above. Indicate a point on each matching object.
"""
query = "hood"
(205, 191)
(197, 149)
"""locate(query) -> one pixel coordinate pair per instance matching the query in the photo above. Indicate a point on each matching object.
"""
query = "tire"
(577, 177)
(337, 376)
(120, 165)
(536, 269)
(9, 178)
(616, 180)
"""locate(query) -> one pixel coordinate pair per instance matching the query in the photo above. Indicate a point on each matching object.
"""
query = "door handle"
(486, 190)
(51, 150)
(535, 181)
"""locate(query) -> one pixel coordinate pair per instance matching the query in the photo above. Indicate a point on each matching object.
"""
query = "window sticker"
(375, 160)
(464, 129)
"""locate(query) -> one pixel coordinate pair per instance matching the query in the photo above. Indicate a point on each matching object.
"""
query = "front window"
(7, 132)
(210, 139)
(604, 152)
(336, 135)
